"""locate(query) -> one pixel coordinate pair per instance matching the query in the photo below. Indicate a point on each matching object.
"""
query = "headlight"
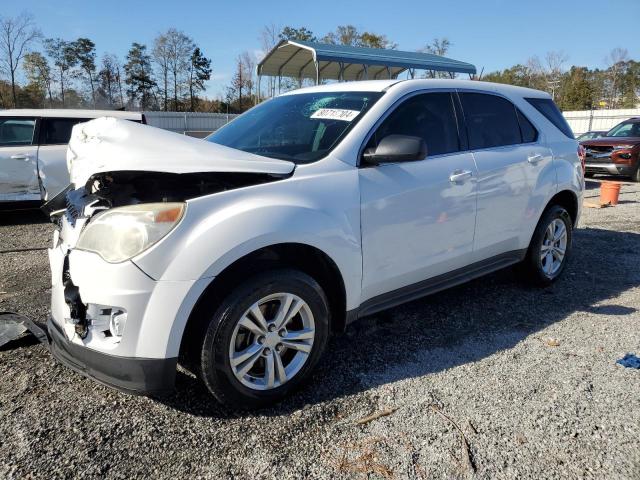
(121, 233)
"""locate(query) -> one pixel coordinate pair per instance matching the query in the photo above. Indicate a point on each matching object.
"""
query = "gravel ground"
(528, 376)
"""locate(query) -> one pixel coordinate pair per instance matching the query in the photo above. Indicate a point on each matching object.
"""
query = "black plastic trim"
(435, 284)
(138, 376)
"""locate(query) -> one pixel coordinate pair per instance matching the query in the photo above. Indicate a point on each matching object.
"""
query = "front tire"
(636, 176)
(264, 339)
(550, 247)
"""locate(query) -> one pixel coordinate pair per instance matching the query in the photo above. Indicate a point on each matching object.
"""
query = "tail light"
(582, 154)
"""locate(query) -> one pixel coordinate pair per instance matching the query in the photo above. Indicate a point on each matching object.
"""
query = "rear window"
(491, 121)
(56, 131)
(547, 108)
(16, 131)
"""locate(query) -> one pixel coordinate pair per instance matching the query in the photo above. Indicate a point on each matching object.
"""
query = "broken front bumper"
(143, 357)
(131, 375)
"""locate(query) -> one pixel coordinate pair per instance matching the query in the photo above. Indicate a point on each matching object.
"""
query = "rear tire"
(550, 248)
(255, 351)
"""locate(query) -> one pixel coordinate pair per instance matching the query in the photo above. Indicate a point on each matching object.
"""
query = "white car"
(241, 254)
(33, 146)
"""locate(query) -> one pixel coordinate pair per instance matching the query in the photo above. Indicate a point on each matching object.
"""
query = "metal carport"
(317, 61)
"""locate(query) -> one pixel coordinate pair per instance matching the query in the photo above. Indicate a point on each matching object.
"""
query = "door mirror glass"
(396, 148)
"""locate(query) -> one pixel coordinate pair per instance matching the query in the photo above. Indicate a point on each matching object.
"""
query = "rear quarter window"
(551, 112)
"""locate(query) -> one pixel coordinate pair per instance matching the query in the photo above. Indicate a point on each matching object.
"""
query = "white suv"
(239, 255)
(33, 145)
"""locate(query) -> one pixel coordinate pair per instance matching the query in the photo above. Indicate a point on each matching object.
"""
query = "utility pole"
(553, 84)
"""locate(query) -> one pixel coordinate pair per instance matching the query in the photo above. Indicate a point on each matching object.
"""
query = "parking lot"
(492, 379)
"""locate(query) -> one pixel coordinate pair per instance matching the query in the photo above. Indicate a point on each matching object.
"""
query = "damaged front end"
(73, 211)
(130, 188)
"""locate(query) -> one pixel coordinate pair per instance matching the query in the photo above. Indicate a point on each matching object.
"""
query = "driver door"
(418, 217)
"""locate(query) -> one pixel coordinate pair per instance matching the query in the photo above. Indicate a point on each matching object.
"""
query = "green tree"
(302, 33)
(109, 81)
(64, 59)
(373, 40)
(577, 90)
(199, 73)
(350, 36)
(85, 53)
(138, 76)
(38, 73)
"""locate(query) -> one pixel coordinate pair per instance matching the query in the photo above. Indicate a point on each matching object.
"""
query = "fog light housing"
(117, 322)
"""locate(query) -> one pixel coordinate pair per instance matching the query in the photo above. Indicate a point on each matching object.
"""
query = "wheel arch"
(304, 257)
(568, 200)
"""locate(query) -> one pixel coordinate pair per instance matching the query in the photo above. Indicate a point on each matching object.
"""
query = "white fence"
(197, 124)
(586, 120)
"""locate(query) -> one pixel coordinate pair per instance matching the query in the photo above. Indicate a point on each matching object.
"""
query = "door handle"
(533, 159)
(460, 176)
(20, 156)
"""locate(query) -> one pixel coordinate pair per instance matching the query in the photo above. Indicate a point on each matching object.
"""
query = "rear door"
(510, 158)
(52, 153)
(417, 218)
(18, 160)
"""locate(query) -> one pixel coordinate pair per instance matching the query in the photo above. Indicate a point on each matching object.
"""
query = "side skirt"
(435, 284)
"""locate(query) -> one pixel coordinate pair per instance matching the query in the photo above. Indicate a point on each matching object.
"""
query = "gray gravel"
(528, 375)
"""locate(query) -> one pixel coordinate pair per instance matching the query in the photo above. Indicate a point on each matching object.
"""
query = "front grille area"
(599, 149)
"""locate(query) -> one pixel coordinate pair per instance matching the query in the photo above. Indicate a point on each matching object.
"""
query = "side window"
(16, 131)
(547, 108)
(428, 115)
(529, 132)
(491, 121)
(57, 131)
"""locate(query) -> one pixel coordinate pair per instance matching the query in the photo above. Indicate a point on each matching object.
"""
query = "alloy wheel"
(272, 341)
(554, 246)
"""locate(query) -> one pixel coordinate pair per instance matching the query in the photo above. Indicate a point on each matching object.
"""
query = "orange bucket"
(609, 193)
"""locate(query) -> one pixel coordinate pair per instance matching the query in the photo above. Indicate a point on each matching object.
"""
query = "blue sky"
(493, 34)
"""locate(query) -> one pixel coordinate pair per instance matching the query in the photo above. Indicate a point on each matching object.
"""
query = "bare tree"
(248, 65)
(161, 56)
(17, 35)
(180, 48)
(615, 62)
(440, 47)
(269, 38)
(554, 63)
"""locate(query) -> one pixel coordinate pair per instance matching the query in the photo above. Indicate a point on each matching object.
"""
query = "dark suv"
(617, 153)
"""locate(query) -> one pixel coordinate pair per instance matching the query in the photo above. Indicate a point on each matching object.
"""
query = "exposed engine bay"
(117, 189)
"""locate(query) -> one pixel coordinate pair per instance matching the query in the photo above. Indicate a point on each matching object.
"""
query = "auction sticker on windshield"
(335, 114)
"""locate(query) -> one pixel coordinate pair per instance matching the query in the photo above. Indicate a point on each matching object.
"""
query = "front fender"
(219, 229)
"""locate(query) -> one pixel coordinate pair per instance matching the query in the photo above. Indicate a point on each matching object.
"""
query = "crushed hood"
(109, 144)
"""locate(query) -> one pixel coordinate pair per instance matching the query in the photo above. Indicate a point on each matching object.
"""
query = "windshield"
(301, 128)
(628, 129)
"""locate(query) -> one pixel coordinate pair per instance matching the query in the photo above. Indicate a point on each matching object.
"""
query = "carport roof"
(302, 59)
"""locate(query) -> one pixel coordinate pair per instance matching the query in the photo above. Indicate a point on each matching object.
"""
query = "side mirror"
(396, 148)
